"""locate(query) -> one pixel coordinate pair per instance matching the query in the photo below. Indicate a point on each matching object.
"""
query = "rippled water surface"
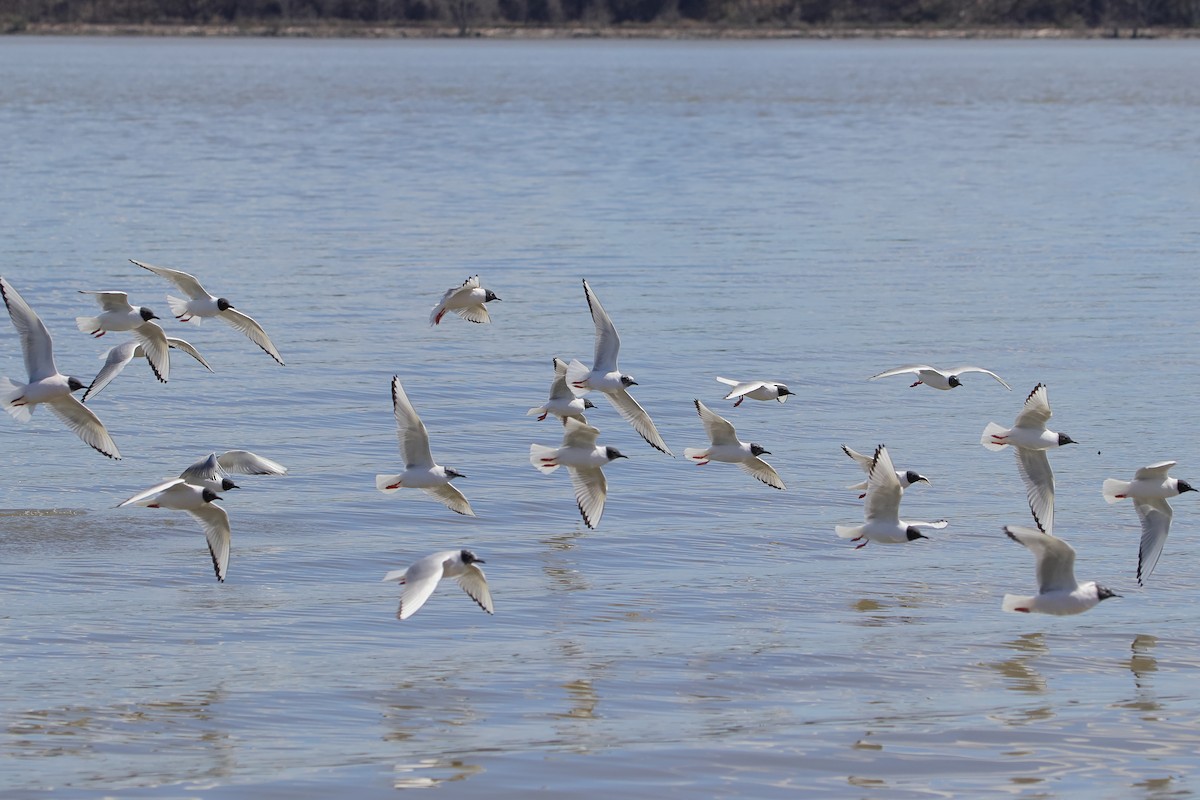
(807, 212)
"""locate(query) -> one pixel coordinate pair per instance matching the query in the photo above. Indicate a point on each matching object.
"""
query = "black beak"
(480, 560)
(633, 383)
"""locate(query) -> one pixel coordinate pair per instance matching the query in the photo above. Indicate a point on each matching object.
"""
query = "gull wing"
(863, 461)
(559, 389)
(883, 489)
(35, 339)
(435, 316)
(419, 582)
(116, 360)
(155, 349)
(477, 313)
(961, 370)
(86, 425)
(914, 368)
(180, 344)
(453, 499)
(1155, 515)
(763, 471)
(474, 583)
(243, 462)
(1055, 558)
(1035, 471)
(636, 416)
(579, 434)
(591, 490)
(252, 330)
(186, 283)
(112, 301)
(608, 344)
(141, 497)
(1036, 412)
(719, 429)
(215, 522)
(206, 469)
(1156, 472)
(740, 389)
(414, 439)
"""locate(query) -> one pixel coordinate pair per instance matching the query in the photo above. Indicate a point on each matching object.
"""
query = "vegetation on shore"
(625, 18)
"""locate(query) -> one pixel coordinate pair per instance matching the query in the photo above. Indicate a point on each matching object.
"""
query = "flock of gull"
(197, 488)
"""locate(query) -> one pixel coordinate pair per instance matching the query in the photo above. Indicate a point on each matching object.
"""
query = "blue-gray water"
(807, 212)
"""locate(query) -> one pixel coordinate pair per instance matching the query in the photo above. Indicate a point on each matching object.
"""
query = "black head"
(147, 314)
(588, 403)
(1184, 486)
(613, 453)
(223, 304)
(914, 534)
(209, 495)
(627, 381)
(758, 449)
(453, 473)
(489, 296)
(784, 390)
(954, 381)
(913, 477)
(470, 558)
(227, 484)
(1064, 439)
(1103, 592)
(76, 384)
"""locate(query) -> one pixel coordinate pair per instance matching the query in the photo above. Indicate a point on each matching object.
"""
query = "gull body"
(46, 384)
(197, 501)
(584, 460)
(906, 477)
(756, 390)
(118, 357)
(937, 378)
(1058, 591)
(1149, 491)
(725, 446)
(881, 511)
(1030, 440)
(200, 304)
(606, 377)
(562, 402)
(422, 577)
(420, 470)
(467, 301)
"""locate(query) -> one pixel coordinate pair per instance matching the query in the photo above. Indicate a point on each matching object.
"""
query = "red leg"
(918, 383)
(861, 546)
(739, 401)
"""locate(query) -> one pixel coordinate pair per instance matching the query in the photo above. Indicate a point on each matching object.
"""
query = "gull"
(116, 359)
(213, 471)
(1058, 591)
(1030, 439)
(420, 471)
(197, 501)
(583, 459)
(907, 477)
(420, 579)
(119, 315)
(1149, 491)
(467, 301)
(201, 304)
(882, 510)
(562, 403)
(726, 447)
(606, 377)
(937, 378)
(755, 390)
(46, 384)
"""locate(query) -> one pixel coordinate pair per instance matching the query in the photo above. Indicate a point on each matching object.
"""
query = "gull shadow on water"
(887, 609)
(1143, 665)
(1022, 677)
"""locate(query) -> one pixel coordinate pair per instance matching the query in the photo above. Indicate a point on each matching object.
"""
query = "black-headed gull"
(584, 460)
(213, 471)
(1030, 440)
(467, 301)
(46, 384)
(197, 501)
(906, 477)
(606, 377)
(562, 403)
(755, 390)
(420, 470)
(116, 359)
(881, 511)
(937, 378)
(1058, 591)
(420, 579)
(119, 315)
(1149, 491)
(725, 446)
(201, 304)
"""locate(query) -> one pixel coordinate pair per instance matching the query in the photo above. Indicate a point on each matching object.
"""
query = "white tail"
(848, 531)
(9, 392)
(1112, 488)
(88, 324)
(179, 308)
(539, 451)
(858, 487)
(384, 482)
(987, 441)
(396, 575)
(726, 381)
(698, 453)
(536, 412)
(576, 372)
(1022, 604)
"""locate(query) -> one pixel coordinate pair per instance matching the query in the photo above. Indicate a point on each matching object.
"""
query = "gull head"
(209, 495)
(758, 449)
(612, 454)
(470, 558)
(627, 381)
(146, 314)
(223, 304)
(227, 484)
(489, 296)
(1184, 486)
(1103, 593)
(588, 403)
(453, 473)
(953, 381)
(75, 384)
(783, 390)
(912, 477)
(1064, 439)
(914, 534)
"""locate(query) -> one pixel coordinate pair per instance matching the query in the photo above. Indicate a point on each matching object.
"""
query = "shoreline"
(683, 31)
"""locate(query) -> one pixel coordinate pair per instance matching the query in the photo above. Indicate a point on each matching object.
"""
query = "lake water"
(811, 212)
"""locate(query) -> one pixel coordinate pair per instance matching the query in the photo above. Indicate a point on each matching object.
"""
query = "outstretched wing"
(1036, 412)
(1055, 558)
(636, 416)
(1035, 471)
(35, 339)
(453, 499)
(1155, 515)
(86, 425)
(215, 522)
(961, 370)
(591, 490)
(763, 471)
(252, 330)
(117, 358)
(414, 439)
(186, 283)
(112, 301)
(608, 344)
(719, 429)
(914, 368)
(474, 584)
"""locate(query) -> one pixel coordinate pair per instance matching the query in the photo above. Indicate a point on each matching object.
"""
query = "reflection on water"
(430, 772)
(1143, 665)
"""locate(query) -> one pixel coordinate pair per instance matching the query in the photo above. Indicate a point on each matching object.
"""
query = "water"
(810, 212)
